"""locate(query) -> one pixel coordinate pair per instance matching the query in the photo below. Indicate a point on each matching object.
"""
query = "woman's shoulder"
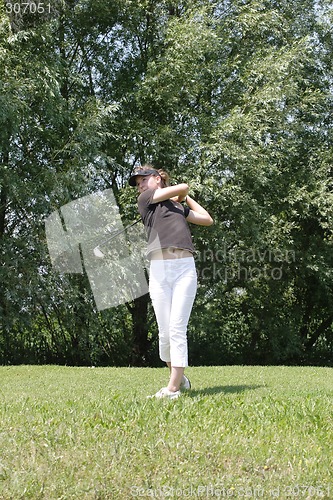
(146, 197)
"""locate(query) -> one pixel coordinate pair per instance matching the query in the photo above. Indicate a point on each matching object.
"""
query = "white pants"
(172, 288)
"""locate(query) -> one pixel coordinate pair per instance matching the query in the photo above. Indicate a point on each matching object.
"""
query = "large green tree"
(240, 96)
(52, 130)
(233, 97)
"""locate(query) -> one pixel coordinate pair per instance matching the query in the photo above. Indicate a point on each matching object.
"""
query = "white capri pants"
(172, 288)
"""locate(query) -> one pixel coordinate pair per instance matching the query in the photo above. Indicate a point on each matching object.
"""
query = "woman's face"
(144, 182)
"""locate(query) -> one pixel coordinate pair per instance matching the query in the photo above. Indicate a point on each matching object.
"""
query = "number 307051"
(28, 8)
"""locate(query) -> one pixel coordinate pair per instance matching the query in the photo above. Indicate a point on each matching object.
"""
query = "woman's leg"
(176, 377)
(172, 287)
(161, 297)
(183, 295)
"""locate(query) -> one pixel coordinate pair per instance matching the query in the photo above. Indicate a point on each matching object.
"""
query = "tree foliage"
(233, 97)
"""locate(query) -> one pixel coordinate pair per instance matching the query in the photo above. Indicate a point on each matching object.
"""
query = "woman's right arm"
(163, 194)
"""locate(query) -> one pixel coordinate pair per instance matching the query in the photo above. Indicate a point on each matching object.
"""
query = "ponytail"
(164, 175)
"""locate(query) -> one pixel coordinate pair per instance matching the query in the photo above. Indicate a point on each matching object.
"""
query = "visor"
(141, 172)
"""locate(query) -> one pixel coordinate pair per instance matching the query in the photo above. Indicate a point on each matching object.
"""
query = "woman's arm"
(198, 215)
(163, 194)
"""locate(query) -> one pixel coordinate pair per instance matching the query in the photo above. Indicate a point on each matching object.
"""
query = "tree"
(272, 145)
(246, 94)
(232, 97)
(50, 145)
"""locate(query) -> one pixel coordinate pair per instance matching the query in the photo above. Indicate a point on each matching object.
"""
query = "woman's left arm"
(198, 215)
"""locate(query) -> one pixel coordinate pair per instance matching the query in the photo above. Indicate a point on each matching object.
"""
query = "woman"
(172, 274)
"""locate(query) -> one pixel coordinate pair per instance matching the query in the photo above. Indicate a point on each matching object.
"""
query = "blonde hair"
(164, 175)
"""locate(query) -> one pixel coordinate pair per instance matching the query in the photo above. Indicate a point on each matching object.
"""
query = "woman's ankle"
(172, 388)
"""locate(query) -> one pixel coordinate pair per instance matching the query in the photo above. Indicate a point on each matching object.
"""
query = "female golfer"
(172, 273)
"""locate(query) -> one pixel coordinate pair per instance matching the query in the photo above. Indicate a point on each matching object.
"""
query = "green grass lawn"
(90, 433)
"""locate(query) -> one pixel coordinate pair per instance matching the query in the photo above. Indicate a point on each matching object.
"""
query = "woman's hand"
(179, 191)
(178, 199)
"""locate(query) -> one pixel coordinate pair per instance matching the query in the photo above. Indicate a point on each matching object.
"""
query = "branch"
(317, 333)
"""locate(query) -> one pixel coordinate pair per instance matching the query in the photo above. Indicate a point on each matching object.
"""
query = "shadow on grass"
(226, 389)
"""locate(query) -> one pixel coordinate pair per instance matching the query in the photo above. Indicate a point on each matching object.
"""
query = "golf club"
(98, 252)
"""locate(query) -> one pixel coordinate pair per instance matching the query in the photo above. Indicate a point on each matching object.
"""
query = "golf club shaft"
(114, 235)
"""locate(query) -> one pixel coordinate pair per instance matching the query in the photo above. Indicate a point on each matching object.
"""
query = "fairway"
(90, 433)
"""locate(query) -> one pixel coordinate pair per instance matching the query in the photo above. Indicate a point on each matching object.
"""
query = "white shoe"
(165, 393)
(185, 384)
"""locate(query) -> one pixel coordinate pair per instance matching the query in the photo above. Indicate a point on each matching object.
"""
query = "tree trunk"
(141, 343)
(3, 301)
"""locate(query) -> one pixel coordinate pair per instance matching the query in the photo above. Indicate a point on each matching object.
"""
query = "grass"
(90, 433)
